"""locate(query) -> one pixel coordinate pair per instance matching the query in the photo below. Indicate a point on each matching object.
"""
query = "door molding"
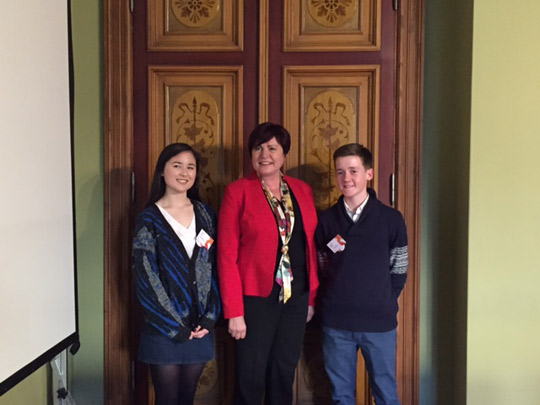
(118, 162)
(410, 60)
(118, 166)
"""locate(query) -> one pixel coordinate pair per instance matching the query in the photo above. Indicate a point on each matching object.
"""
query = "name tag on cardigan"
(337, 244)
(204, 240)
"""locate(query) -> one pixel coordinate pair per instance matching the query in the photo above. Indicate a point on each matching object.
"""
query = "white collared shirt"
(355, 214)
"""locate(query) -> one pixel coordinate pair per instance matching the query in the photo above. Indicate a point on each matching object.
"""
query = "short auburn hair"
(355, 149)
(266, 131)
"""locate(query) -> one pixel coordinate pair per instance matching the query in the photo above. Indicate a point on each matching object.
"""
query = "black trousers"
(266, 358)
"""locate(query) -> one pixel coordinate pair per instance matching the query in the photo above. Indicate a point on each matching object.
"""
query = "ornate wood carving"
(200, 13)
(332, 13)
(331, 25)
(323, 108)
(202, 25)
(202, 106)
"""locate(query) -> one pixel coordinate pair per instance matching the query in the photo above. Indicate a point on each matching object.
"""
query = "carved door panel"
(207, 71)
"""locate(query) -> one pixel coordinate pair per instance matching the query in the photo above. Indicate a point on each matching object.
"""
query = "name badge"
(337, 244)
(204, 240)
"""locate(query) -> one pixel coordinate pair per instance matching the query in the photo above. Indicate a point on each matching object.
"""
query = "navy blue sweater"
(360, 285)
(177, 293)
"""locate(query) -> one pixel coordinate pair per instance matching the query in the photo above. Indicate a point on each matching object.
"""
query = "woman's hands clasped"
(198, 333)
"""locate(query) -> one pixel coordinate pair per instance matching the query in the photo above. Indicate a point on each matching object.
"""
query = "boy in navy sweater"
(363, 245)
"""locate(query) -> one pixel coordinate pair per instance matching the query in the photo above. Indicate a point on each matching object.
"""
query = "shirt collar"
(354, 214)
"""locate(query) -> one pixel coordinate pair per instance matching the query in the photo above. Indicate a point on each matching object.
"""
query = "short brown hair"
(266, 131)
(355, 149)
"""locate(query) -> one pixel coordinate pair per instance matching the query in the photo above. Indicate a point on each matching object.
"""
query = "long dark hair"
(157, 190)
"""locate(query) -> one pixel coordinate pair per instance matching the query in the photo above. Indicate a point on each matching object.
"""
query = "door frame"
(118, 166)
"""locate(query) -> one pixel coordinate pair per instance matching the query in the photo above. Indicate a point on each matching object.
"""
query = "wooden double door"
(206, 72)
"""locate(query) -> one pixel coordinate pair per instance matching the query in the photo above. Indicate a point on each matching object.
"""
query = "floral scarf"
(284, 213)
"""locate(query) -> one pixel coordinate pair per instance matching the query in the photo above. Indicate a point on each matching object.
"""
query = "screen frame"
(72, 341)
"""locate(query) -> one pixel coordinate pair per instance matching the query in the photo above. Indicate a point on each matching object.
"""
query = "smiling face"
(179, 173)
(267, 159)
(352, 178)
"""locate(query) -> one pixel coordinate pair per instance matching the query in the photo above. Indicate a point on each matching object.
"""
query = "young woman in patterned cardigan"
(174, 262)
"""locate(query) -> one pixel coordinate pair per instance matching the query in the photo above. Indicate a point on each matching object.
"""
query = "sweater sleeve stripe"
(399, 260)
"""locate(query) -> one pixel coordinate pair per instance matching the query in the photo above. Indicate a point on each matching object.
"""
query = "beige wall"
(480, 275)
(504, 230)
(33, 390)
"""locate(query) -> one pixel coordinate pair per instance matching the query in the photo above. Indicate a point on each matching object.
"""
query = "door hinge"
(131, 5)
(132, 187)
(393, 190)
(396, 4)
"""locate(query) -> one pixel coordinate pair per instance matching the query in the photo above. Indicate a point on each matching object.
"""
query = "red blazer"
(248, 242)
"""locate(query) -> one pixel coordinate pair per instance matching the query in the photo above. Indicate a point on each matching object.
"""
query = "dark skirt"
(159, 349)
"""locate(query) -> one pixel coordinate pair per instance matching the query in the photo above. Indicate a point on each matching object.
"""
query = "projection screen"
(38, 302)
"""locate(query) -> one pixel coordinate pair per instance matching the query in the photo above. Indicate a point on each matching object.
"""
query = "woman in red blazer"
(267, 267)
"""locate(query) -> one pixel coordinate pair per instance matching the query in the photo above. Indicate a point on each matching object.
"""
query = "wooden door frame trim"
(118, 162)
(410, 60)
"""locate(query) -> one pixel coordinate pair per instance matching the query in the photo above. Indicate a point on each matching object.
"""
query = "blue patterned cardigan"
(177, 293)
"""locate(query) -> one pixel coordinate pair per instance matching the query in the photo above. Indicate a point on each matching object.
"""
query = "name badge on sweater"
(337, 244)
(204, 240)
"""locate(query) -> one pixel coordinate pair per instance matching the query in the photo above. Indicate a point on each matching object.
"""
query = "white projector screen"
(38, 302)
